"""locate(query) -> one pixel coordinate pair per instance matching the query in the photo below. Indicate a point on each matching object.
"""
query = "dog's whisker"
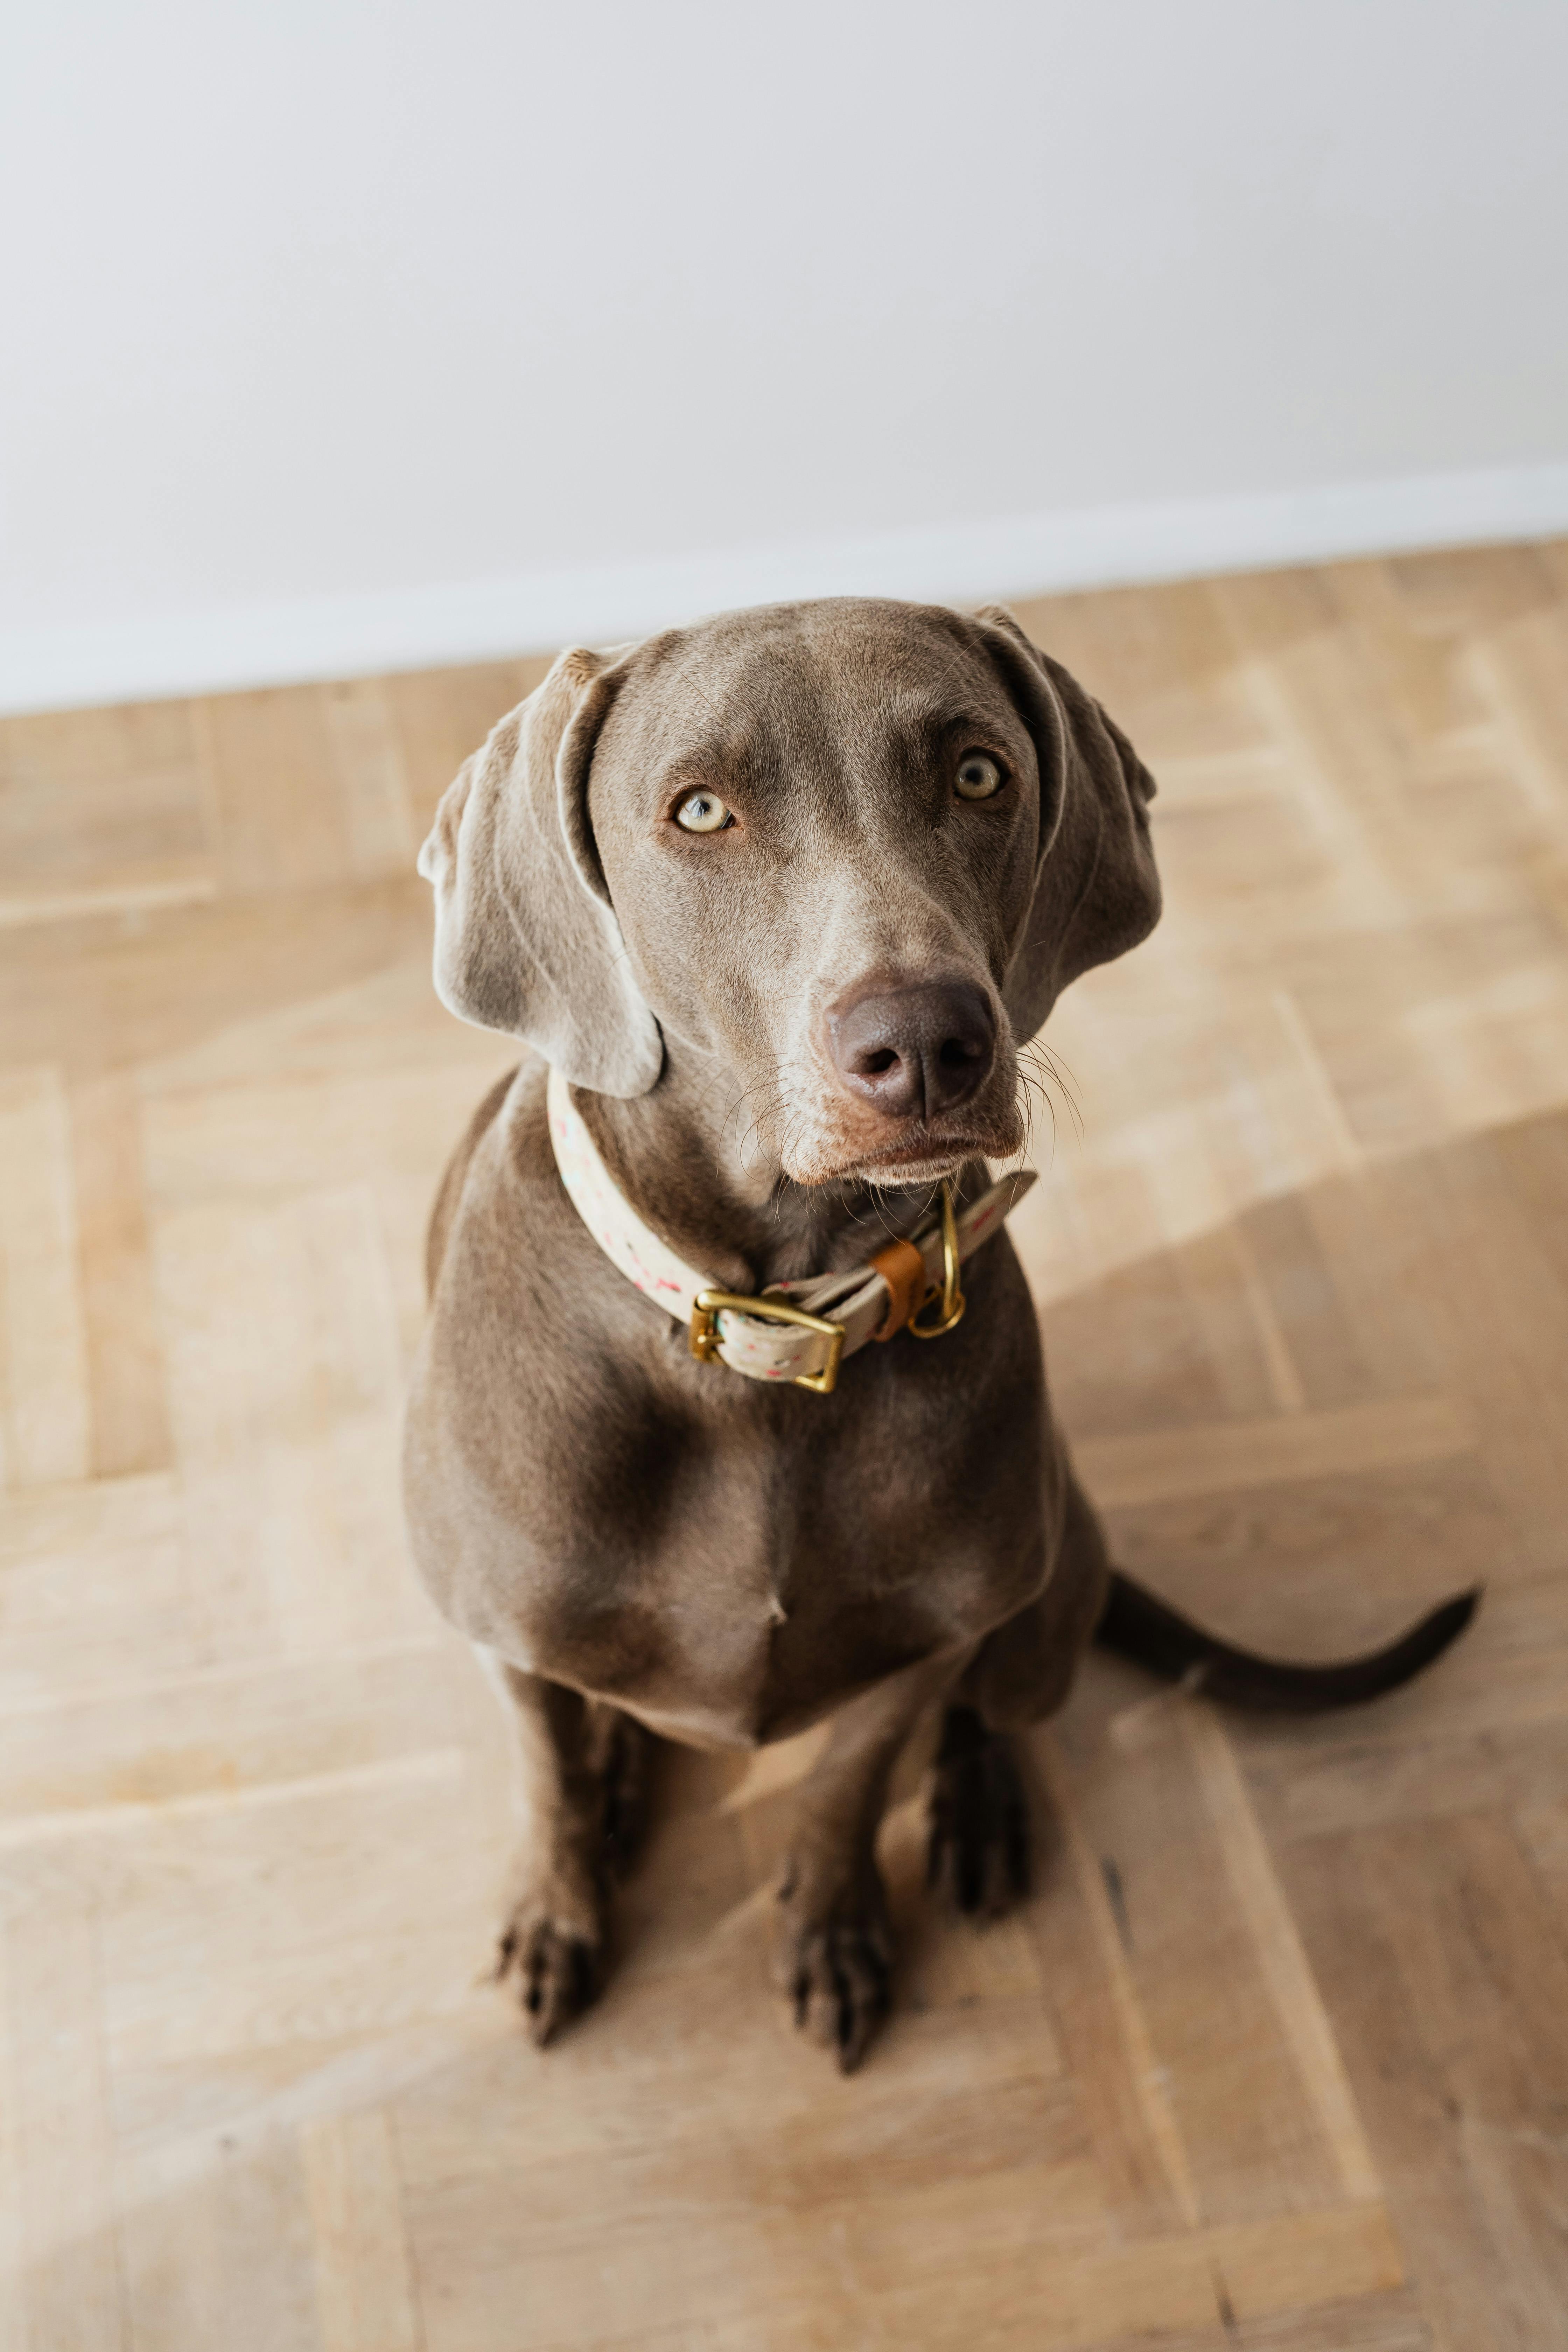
(1049, 1072)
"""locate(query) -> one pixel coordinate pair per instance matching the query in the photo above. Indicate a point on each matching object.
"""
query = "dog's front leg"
(834, 1954)
(576, 1767)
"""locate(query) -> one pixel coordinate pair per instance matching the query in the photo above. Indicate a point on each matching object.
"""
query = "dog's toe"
(556, 1964)
(841, 1993)
(835, 1963)
(979, 1851)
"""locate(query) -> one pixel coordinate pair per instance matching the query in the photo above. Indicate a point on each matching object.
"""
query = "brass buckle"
(710, 1304)
(953, 1299)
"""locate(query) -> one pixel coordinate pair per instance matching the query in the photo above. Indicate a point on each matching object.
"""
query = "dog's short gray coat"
(643, 1543)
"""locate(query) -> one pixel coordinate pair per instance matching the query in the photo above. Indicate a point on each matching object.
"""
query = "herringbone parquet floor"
(1278, 2057)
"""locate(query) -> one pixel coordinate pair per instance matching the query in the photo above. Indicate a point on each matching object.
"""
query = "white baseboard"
(419, 628)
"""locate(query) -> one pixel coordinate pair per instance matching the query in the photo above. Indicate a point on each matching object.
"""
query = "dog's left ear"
(1097, 892)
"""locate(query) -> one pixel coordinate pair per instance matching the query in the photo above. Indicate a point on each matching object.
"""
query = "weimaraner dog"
(776, 899)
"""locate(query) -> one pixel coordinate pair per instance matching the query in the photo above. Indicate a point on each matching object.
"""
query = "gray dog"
(778, 899)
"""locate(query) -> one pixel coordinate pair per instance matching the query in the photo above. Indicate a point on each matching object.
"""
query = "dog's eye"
(978, 777)
(703, 813)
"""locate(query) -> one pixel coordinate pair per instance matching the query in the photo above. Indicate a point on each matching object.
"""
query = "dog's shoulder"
(507, 1251)
(456, 1176)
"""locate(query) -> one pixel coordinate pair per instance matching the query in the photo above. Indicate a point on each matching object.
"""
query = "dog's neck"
(690, 1159)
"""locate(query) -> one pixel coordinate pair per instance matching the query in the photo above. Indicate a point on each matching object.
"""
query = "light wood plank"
(1164, 1466)
(365, 2293)
(125, 1344)
(1284, 1963)
(44, 1411)
(70, 2283)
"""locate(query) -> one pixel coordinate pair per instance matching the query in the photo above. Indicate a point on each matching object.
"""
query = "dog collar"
(799, 1330)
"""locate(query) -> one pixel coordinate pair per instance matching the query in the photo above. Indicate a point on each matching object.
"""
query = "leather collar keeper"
(798, 1330)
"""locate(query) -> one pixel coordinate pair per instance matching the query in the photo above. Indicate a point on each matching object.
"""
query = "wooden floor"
(1280, 2055)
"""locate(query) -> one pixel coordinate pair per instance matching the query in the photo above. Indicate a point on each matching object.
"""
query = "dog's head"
(849, 851)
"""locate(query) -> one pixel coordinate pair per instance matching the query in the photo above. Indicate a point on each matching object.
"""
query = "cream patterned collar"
(798, 1330)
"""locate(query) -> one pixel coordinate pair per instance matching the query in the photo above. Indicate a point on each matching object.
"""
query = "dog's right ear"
(526, 937)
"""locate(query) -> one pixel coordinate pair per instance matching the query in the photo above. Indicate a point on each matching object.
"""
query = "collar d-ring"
(952, 1299)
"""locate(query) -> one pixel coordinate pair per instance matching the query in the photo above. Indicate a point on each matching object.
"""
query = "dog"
(777, 899)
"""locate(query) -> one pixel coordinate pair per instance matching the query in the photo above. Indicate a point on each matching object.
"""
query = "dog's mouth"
(921, 1159)
(912, 1151)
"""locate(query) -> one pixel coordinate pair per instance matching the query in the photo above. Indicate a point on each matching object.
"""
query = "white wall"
(348, 332)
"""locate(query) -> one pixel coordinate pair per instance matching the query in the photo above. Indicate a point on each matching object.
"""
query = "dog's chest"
(768, 1597)
(730, 1577)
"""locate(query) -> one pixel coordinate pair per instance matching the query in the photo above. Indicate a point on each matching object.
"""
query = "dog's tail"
(1136, 1625)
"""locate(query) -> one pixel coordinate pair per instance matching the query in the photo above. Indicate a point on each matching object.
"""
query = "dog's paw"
(553, 1945)
(979, 1851)
(835, 1963)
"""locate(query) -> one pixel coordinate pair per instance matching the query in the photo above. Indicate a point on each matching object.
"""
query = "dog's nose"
(914, 1053)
